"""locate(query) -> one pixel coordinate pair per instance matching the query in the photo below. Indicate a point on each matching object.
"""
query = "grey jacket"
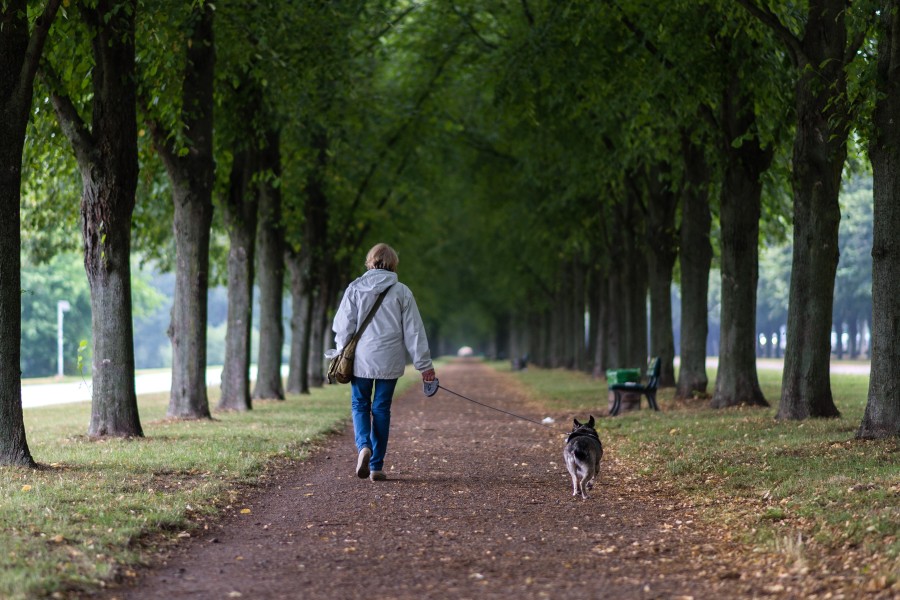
(395, 329)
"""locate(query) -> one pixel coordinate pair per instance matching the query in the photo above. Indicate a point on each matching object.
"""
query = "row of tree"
(623, 137)
(540, 160)
(199, 102)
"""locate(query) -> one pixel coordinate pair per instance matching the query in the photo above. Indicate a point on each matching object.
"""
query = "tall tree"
(746, 158)
(882, 416)
(20, 53)
(662, 240)
(695, 259)
(239, 208)
(107, 156)
(186, 150)
(270, 274)
(821, 55)
(298, 363)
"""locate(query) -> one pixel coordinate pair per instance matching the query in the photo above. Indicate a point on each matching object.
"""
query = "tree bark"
(636, 275)
(695, 260)
(270, 274)
(600, 316)
(882, 416)
(317, 253)
(240, 212)
(19, 56)
(298, 371)
(853, 331)
(318, 313)
(820, 149)
(13, 444)
(579, 335)
(662, 240)
(617, 291)
(192, 176)
(737, 381)
(107, 159)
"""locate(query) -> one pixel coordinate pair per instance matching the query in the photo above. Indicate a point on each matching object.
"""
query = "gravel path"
(478, 505)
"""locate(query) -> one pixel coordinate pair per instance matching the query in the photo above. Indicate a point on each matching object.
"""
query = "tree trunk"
(501, 337)
(192, 176)
(557, 320)
(298, 372)
(13, 445)
(636, 276)
(270, 274)
(737, 381)
(240, 210)
(853, 332)
(579, 335)
(19, 56)
(662, 241)
(599, 316)
(616, 294)
(109, 185)
(317, 253)
(695, 261)
(838, 330)
(318, 323)
(882, 416)
(820, 149)
(108, 160)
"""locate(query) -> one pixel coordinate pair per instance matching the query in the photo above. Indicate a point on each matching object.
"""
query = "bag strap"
(369, 316)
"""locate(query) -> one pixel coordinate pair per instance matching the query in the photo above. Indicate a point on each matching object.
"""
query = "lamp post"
(61, 307)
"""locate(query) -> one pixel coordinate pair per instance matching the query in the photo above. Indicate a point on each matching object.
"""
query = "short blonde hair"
(382, 256)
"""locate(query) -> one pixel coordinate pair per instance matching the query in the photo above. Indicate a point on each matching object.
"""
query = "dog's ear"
(590, 422)
(577, 424)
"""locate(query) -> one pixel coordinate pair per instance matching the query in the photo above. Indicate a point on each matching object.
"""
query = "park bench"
(635, 387)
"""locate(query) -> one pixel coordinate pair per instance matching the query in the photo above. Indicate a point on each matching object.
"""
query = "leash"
(431, 388)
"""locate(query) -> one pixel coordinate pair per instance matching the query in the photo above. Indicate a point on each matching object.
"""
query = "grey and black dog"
(582, 453)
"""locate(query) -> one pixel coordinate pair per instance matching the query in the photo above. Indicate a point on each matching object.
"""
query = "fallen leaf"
(245, 511)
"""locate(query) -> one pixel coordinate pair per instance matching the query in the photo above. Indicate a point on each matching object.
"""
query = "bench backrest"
(653, 373)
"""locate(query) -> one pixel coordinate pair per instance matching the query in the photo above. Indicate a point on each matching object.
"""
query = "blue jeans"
(372, 419)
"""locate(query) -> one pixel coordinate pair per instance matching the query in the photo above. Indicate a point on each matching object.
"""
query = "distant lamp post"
(61, 307)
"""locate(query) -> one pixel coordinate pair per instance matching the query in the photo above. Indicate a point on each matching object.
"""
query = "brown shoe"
(377, 476)
(362, 463)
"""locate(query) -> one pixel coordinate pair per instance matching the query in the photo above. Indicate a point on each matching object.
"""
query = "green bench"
(635, 387)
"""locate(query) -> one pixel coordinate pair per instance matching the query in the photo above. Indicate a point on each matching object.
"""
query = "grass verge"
(79, 521)
(806, 490)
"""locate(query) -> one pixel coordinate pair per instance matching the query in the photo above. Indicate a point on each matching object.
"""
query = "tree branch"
(854, 46)
(164, 148)
(33, 53)
(528, 14)
(392, 141)
(771, 20)
(645, 40)
(481, 145)
(73, 126)
(389, 26)
(465, 19)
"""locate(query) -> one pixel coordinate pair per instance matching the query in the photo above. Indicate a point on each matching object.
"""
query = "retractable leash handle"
(431, 387)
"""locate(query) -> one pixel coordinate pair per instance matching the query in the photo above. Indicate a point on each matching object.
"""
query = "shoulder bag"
(340, 369)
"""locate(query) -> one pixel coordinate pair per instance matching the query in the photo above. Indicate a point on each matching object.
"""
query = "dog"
(582, 454)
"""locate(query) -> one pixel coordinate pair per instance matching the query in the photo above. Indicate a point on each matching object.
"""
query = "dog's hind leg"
(575, 486)
(582, 487)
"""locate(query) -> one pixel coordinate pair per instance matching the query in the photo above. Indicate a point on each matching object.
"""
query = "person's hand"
(428, 375)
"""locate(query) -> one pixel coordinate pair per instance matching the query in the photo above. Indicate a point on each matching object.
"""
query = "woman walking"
(396, 329)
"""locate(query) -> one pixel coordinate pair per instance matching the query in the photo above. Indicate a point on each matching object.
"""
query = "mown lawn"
(802, 488)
